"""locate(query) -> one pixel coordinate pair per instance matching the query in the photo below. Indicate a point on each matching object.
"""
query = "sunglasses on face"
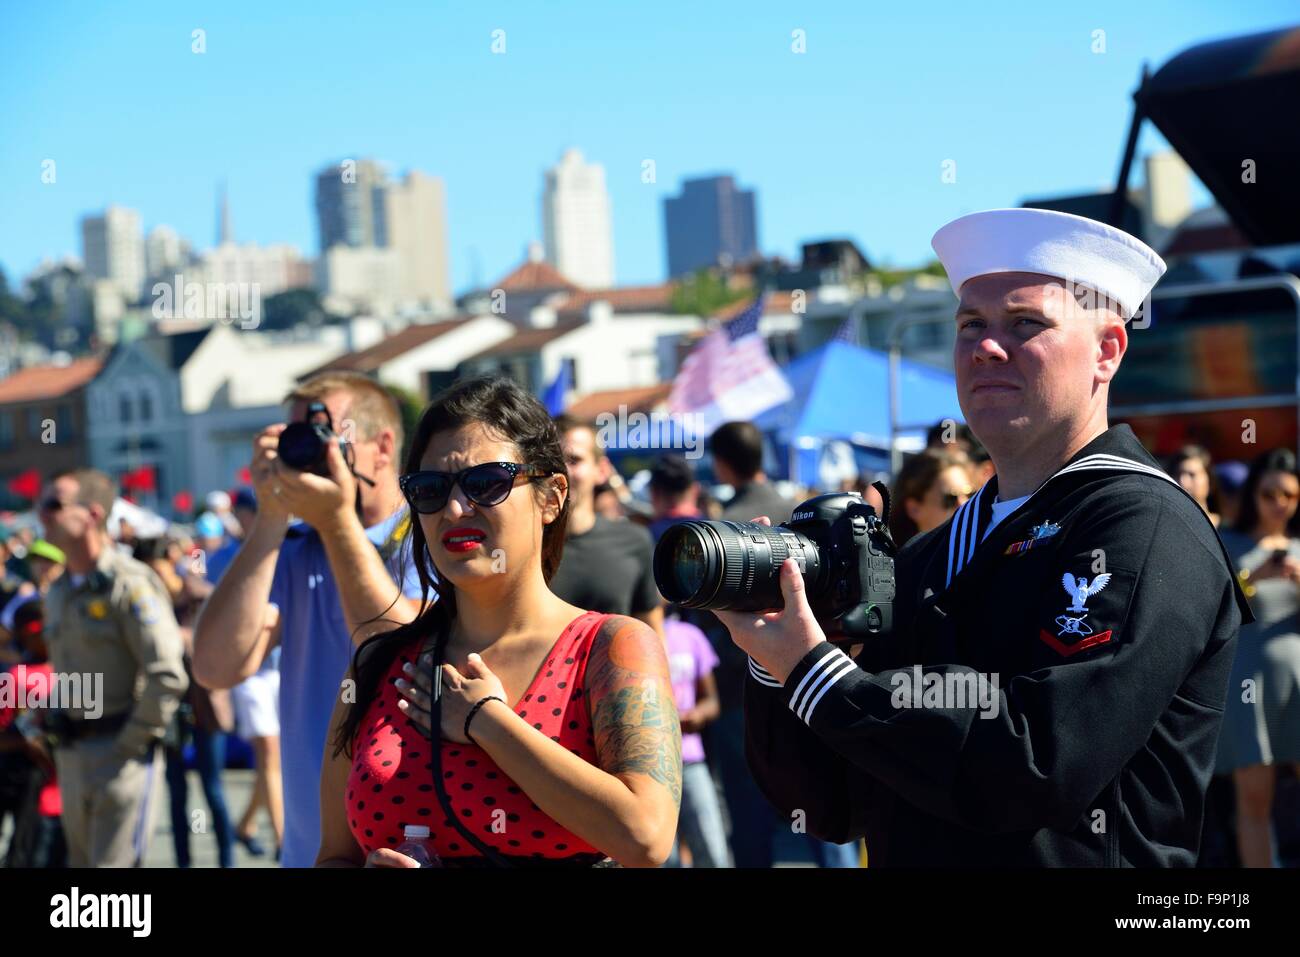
(487, 484)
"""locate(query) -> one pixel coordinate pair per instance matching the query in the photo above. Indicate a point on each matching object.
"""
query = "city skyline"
(851, 133)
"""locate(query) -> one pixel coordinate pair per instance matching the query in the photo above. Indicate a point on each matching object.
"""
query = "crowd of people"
(307, 627)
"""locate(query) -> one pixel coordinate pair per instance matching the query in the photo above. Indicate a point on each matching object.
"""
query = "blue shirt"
(215, 567)
(316, 650)
(220, 560)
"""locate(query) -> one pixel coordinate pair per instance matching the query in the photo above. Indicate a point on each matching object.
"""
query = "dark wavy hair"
(914, 481)
(1174, 462)
(1274, 460)
(509, 411)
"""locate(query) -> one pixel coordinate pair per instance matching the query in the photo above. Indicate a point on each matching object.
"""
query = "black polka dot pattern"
(393, 772)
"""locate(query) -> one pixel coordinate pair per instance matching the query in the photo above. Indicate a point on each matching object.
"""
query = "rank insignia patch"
(1065, 650)
(1037, 535)
(1073, 621)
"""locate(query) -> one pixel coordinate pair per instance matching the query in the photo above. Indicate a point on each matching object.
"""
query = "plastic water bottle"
(417, 847)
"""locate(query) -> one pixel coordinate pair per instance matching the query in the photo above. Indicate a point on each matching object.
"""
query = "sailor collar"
(1115, 450)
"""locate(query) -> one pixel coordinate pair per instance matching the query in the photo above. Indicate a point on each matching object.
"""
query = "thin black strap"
(489, 852)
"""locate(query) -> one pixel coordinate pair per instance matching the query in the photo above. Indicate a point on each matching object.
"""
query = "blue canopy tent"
(841, 392)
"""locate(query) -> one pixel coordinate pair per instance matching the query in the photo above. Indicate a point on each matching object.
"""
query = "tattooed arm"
(627, 805)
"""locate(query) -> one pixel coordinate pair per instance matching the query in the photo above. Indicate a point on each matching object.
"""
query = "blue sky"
(846, 139)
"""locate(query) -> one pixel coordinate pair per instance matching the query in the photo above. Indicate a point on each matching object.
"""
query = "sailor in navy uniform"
(1052, 689)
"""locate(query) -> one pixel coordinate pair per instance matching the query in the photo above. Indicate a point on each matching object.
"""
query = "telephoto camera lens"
(730, 566)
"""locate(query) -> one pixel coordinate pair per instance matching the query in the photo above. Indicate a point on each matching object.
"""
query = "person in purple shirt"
(691, 660)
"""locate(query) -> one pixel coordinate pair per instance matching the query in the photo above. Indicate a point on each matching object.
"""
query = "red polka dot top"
(390, 785)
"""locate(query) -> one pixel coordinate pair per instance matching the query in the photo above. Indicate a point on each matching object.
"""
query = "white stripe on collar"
(963, 531)
(957, 532)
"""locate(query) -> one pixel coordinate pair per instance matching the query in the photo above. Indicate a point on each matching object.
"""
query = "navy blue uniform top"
(1051, 694)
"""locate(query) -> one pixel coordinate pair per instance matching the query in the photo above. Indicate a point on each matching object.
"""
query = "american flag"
(729, 376)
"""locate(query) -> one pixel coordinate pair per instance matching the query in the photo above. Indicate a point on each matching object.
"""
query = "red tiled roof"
(48, 382)
(535, 276)
(529, 340)
(643, 399)
(623, 299)
(399, 343)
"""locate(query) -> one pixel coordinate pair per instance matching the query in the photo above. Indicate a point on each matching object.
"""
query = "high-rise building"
(576, 222)
(416, 221)
(711, 223)
(164, 252)
(350, 205)
(112, 247)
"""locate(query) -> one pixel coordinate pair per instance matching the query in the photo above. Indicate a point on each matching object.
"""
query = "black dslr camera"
(303, 445)
(842, 546)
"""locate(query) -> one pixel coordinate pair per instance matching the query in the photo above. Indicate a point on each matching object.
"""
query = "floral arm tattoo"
(633, 714)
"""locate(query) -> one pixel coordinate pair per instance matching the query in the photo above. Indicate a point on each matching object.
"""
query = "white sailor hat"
(1073, 248)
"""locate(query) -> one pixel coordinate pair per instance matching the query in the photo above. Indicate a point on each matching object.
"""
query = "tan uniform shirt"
(118, 623)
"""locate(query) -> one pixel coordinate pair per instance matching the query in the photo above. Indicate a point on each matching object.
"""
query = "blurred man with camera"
(319, 587)
(1051, 689)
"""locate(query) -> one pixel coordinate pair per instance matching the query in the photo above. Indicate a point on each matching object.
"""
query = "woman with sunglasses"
(557, 742)
(1261, 721)
(930, 487)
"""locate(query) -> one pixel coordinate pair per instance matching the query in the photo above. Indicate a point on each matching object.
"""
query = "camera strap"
(884, 499)
(489, 852)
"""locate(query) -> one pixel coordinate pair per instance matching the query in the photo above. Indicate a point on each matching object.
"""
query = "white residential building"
(424, 357)
(190, 403)
(605, 350)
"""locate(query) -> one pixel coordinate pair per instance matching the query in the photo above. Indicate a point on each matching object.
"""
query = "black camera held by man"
(304, 445)
(843, 548)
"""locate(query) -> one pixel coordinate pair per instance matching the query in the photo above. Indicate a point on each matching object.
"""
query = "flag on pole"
(555, 393)
(729, 375)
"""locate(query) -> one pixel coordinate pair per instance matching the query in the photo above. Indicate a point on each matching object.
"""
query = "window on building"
(146, 406)
(6, 431)
(124, 408)
(33, 423)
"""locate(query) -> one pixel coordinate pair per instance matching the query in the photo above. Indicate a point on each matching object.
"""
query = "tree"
(293, 307)
(12, 308)
(412, 408)
(704, 293)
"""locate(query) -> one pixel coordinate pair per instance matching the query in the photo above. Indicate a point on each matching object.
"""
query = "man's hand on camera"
(262, 470)
(323, 502)
(777, 640)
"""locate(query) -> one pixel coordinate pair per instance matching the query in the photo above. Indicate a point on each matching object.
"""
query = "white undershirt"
(1001, 510)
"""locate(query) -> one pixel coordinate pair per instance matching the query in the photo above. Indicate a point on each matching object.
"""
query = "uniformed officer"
(109, 620)
(1052, 690)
